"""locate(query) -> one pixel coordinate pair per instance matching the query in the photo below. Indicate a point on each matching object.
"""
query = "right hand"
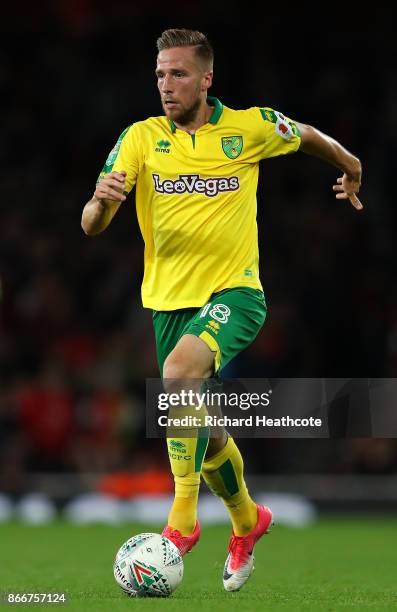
(110, 189)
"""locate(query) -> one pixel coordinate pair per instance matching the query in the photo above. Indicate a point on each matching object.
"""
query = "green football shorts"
(228, 323)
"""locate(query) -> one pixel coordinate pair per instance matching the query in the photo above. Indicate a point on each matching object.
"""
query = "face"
(183, 83)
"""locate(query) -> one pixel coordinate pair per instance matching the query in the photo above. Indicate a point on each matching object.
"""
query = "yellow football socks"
(223, 474)
(186, 451)
(183, 513)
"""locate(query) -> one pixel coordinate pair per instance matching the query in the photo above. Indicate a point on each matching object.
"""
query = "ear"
(206, 81)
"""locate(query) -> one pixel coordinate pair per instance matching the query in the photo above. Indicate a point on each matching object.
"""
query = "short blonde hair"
(188, 38)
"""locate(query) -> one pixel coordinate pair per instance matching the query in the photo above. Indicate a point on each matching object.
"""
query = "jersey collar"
(216, 113)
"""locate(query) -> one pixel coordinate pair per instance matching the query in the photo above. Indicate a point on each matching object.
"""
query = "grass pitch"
(336, 564)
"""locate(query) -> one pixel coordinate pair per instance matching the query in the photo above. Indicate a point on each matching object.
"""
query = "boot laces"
(239, 550)
(175, 536)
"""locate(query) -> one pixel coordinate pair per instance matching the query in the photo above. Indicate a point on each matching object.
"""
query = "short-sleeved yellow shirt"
(196, 199)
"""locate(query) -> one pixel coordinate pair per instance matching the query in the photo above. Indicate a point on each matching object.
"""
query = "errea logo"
(177, 444)
(163, 146)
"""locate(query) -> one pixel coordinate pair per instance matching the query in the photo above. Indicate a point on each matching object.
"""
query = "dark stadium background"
(75, 343)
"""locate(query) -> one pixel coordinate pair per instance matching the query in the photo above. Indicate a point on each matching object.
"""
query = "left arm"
(314, 142)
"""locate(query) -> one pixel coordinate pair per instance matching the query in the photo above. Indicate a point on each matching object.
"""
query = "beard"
(185, 115)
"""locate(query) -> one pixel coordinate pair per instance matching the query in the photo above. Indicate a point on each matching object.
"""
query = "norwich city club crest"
(232, 146)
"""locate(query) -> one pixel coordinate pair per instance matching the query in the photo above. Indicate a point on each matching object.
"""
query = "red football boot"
(183, 543)
(240, 561)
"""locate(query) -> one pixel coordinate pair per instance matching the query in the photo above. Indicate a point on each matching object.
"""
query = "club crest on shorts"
(232, 146)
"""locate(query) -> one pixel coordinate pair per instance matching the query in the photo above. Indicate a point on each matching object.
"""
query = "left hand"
(347, 188)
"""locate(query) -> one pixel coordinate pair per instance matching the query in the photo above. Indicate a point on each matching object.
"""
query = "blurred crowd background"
(75, 343)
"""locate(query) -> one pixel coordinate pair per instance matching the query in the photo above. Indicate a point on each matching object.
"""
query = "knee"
(178, 368)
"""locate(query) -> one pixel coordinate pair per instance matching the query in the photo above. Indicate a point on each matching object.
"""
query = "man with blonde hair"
(196, 173)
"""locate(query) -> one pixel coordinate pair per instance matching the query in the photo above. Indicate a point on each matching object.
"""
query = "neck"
(204, 112)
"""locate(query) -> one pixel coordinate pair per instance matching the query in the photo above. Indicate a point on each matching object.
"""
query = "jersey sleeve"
(278, 134)
(126, 155)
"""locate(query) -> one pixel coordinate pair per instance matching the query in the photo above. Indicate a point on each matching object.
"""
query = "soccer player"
(196, 172)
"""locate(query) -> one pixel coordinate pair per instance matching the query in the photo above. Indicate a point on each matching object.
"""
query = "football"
(148, 565)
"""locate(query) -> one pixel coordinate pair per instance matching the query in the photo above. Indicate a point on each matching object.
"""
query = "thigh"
(168, 329)
(229, 322)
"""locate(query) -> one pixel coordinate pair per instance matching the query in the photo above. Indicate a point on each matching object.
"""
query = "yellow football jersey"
(196, 199)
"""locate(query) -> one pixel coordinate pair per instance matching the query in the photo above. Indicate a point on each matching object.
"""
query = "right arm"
(100, 210)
